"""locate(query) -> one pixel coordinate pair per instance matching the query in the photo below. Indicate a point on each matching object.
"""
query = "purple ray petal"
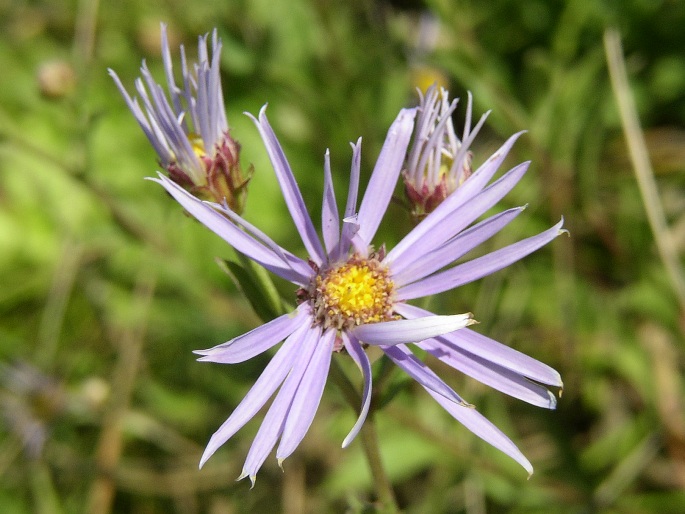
(483, 428)
(491, 350)
(455, 248)
(330, 222)
(256, 341)
(478, 268)
(461, 217)
(158, 143)
(169, 70)
(290, 189)
(489, 374)
(307, 397)
(276, 417)
(385, 174)
(410, 331)
(349, 229)
(355, 350)
(291, 260)
(417, 369)
(272, 376)
(435, 221)
(242, 242)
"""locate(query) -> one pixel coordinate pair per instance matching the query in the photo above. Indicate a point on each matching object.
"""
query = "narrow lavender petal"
(230, 233)
(349, 230)
(265, 386)
(490, 374)
(276, 417)
(307, 397)
(216, 77)
(169, 71)
(478, 268)
(168, 121)
(246, 346)
(291, 192)
(464, 148)
(435, 141)
(435, 221)
(157, 143)
(385, 174)
(330, 221)
(353, 192)
(467, 119)
(427, 112)
(483, 428)
(491, 350)
(188, 88)
(410, 330)
(417, 369)
(355, 350)
(217, 111)
(461, 217)
(287, 257)
(202, 107)
(455, 248)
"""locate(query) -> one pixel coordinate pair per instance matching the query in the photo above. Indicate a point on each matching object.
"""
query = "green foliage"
(107, 287)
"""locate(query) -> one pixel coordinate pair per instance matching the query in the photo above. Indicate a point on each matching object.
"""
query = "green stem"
(369, 439)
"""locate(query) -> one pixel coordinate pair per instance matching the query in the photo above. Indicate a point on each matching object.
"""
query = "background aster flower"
(352, 296)
(438, 161)
(189, 130)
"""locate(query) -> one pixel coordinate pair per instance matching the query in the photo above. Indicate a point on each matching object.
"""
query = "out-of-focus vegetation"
(106, 287)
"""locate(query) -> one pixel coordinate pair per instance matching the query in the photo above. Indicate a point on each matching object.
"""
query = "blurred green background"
(106, 287)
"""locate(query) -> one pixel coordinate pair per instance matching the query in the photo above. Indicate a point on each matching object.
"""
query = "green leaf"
(254, 283)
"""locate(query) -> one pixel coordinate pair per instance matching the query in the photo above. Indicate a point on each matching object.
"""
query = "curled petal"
(330, 222)
(410, 330)
(355, 350)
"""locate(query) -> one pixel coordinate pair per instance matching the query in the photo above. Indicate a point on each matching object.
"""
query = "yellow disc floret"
(197, 144)
(355, 292)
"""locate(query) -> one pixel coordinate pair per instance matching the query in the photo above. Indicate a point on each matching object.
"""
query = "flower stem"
(386, 495)
(369, 439)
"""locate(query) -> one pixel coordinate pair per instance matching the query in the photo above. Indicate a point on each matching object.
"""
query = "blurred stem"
(644, 173)
(369, 438)
(46, 499)
(111, 441)
(56, 304)
(86, 24)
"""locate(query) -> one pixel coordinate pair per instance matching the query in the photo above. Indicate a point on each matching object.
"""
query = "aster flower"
(438, 161)
(351, 296)
(189, 130)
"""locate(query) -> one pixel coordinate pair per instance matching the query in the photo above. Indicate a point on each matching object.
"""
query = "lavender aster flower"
(351, 297)
(438, 161)
(189, 130)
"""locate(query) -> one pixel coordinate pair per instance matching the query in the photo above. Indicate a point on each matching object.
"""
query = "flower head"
(188, 129)
(438, 162)
(351, 296)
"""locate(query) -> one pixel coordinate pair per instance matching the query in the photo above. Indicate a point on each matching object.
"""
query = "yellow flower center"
(197, 144)
(356, 292)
